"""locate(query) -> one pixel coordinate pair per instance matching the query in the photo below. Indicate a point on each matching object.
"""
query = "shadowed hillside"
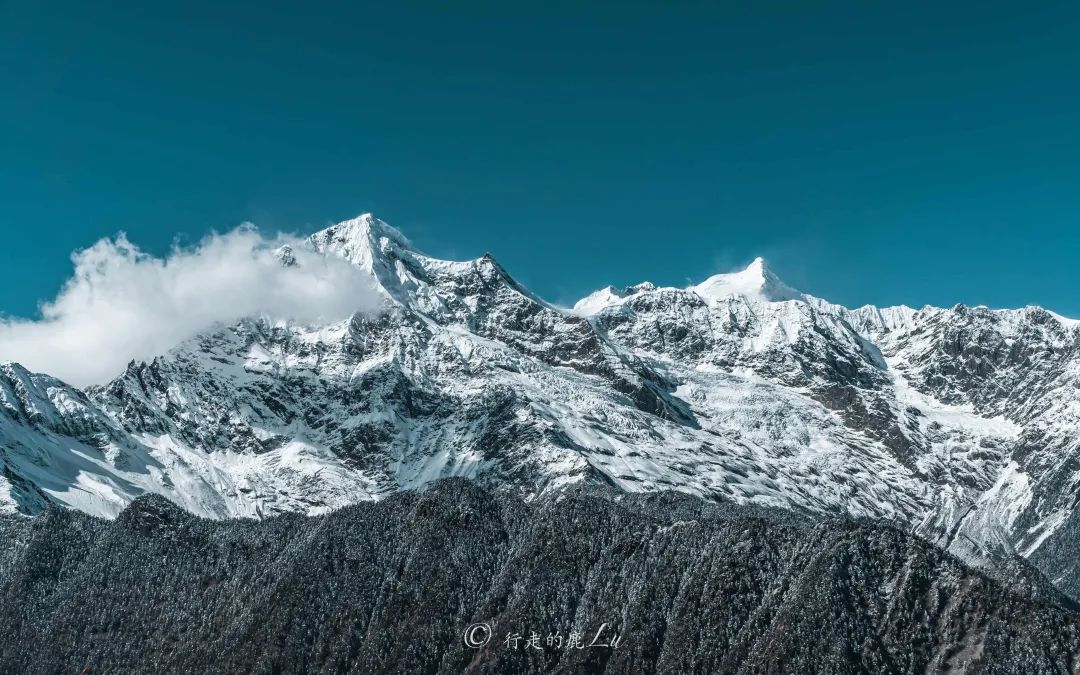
(392, 586)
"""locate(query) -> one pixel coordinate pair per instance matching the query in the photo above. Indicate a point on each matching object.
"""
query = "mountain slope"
(392, 587)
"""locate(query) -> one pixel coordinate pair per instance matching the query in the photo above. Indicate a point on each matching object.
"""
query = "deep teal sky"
(874, 152)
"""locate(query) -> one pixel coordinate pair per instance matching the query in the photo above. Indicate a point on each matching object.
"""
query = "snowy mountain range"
(960, 424)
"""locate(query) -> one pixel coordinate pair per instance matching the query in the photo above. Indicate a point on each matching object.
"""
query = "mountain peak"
(400, 270)
(374, 247)
(361, 240)
(756, 281)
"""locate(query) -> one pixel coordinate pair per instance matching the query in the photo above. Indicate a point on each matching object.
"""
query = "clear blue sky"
(874, 152)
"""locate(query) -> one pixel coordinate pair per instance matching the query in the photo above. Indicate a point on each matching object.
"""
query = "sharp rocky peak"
(401, 271)
(363, 240)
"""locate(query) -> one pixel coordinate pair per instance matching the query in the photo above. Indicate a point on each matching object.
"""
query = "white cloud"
(124, 304)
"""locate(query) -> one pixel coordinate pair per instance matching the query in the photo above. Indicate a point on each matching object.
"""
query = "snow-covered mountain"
(960, 424)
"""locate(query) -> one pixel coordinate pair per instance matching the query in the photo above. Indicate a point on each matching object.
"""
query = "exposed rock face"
(959, 424)
(392, 586)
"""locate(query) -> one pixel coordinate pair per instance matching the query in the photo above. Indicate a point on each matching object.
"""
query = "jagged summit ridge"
(754, 284)
(402, 273)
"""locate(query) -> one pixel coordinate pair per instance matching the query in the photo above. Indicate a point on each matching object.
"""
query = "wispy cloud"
(122, 303)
